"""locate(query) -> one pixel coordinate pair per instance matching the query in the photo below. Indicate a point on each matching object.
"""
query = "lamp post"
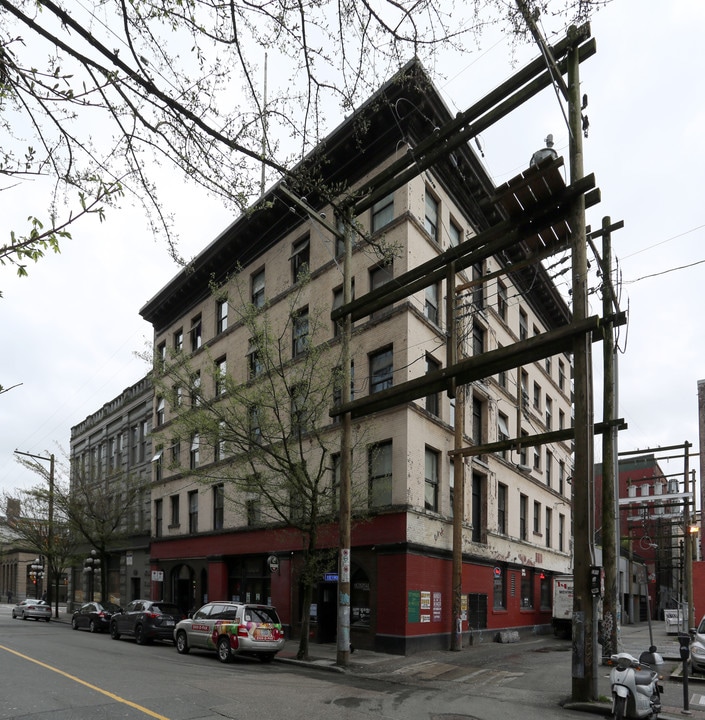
(91, 566)
(36, 573)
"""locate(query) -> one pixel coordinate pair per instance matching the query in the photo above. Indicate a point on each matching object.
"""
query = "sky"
(72, 333)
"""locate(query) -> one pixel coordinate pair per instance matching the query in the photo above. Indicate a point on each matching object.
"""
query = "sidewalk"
(634, 640)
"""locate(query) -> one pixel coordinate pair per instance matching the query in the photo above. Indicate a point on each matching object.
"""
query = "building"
(517, 505)
(651, 517)
(111, 454)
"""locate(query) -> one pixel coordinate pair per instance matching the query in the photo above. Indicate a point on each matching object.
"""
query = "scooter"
(636, 692)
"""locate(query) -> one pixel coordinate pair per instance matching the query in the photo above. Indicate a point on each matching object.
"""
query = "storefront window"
(360, 599)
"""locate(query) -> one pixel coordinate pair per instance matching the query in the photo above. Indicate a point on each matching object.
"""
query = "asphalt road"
(48, 670)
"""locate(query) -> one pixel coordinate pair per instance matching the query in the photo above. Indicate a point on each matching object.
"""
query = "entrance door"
(477, 611)
(327, 612)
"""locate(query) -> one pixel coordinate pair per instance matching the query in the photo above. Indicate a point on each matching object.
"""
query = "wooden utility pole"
(610, 474)
(584, 683)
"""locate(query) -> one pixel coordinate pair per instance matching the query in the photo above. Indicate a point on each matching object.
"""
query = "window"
(501, 509)
(524, 390)
(561, 420)
(502, 300)
(381, 370)
(255, 429)
(478, 294)
(299, 415)
(478, 494)
(477, 425)
(338, 302)
(300, 337)
(299, 259)
(158, 518)
(451, 483)
(455, 234)
(221, 371)
(549, 520)
(549, 412)
(338, 389)
(379, 275)
(160, 410)
(523, 325)
(432, 403)
(431, 303)
(523, 517)
(549, 366)
(499, 595)
(522, 451)
(254, 512)
(177, 395)
(258, 289)
(335, 483)
(478, 339)
(527, 588)
(254, 361)
(561, 375)
(502, 431)
(196, 334)
(537, 518)
(161, 357)
(193, 512)
(380, 474)
(178, 340)
(537, 397)
(431, 216)
(196, 389)
(219, 445)
(174, 499)
(382, 212)
(549, 467)
(561, 476)
(218, 505)
(561, 532)
(537, 457)
(175, 452)
(431, 480)
(502, 375)
(195, 451)
(221, 316)
(157, 463)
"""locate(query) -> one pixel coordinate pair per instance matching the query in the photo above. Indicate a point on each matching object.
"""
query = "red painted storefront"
(401, 597)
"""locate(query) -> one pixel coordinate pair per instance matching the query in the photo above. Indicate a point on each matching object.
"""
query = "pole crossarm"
(488, 243)
(548, 438)
(524, 84)
(474, 368)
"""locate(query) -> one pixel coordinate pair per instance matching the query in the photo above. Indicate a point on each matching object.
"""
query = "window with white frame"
(196, 333)
(431, 304)
(300, 329)
(382, 212)
(380, 474)
(221, 372)
(221, 315)
(431, 215)
(195, 451)
(300, 257)
(431, 480)
(258, 288)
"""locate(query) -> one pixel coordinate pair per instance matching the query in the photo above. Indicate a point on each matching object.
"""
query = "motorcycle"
(636, 692)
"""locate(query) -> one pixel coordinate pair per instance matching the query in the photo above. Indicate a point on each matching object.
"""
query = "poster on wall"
(436, 607)
(414, 604)
(425, 600)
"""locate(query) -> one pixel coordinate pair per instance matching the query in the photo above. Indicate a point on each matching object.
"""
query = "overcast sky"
(71, 330)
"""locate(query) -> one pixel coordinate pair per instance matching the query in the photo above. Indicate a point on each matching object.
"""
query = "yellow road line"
(112, 696)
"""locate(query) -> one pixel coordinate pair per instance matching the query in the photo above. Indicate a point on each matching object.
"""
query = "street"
(50, 670)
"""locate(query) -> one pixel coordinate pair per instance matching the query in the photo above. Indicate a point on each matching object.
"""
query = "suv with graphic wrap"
(231, 629)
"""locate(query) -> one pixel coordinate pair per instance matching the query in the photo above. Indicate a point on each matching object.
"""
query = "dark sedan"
(94, 616)
(146, 620)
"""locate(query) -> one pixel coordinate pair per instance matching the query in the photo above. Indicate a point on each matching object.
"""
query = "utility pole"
(584, 683)
(343, 649)
(610, 473)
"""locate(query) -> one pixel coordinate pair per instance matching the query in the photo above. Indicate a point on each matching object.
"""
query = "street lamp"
(36, 573)
(91, 566)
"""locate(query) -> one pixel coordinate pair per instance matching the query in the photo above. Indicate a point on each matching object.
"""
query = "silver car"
(37, 609)
(697, 648)
(232, 629)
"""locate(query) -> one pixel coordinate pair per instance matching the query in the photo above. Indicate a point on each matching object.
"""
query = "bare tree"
(269, 440)
(94, 97)
(43, 531)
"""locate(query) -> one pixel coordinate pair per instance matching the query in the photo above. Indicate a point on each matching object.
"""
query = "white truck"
(563, 605)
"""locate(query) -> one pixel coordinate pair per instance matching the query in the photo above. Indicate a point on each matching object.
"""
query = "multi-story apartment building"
(111, 454)
(517, 504)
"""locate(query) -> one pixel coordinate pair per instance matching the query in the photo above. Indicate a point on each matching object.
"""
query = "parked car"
(94, 616)
(37, 609)
(146, 620)
(697, 648)
(232, 629)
